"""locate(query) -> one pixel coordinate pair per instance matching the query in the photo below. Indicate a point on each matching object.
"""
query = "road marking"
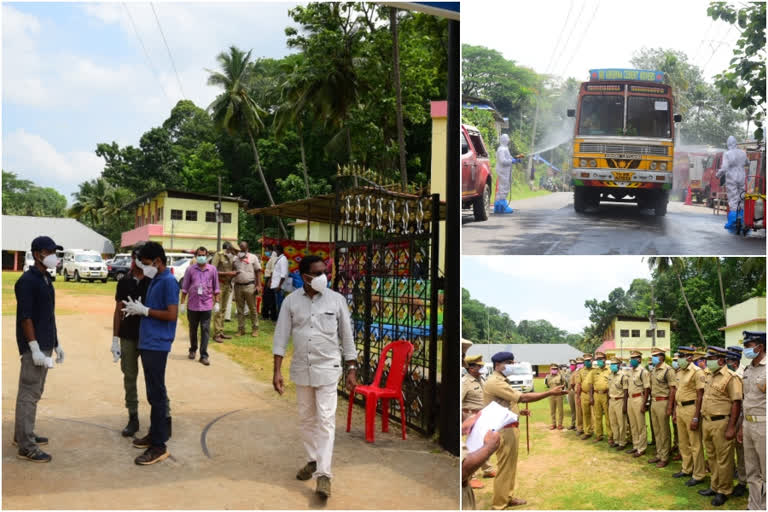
(203, 435)
(553, 246)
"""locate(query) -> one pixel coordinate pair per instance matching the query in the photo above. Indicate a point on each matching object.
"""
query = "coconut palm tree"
(663, 265)
(90, 201)
(294, 109)
(234, 111)
(398, 94)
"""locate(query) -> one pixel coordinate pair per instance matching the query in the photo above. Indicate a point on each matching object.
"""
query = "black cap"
(754, 336)
(45, 243)
(503, 356)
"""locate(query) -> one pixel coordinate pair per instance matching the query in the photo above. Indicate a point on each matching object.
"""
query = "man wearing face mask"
(752, 429)
(504, 161)
(555, 379)
(700, 360)
(224, 262)
(720, 410)
(201, 284)
(675, 451)
(472, 402)
(734, 162)
(498, 389)
(157, 330)
(598, 398)
(733, 360)
(317, 319)
(571, 394)
(687, 416)
(247, 284)
(584, 391)
(639, 391)
(37, 338)
(573, 387)
(618, 393)
(279, 275)
(662, 405)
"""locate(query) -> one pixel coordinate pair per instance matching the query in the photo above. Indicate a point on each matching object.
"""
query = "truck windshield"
(601, 115)
(648, 117)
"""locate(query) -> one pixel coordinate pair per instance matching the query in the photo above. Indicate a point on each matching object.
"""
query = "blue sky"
(75, 74)
(551, 288)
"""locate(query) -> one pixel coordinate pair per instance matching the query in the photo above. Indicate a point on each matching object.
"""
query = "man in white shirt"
(317, 319)
(279, 275)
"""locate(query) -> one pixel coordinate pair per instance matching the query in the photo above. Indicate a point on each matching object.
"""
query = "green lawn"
(519, 188)
(564, 472)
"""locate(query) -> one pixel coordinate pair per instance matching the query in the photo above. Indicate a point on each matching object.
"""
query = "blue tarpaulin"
(396, 332)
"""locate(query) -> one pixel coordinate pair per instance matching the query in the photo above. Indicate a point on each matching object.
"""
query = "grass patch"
(519, 188)
(62, 288)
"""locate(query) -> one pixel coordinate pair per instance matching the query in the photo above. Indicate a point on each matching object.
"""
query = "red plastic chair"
(401, 352)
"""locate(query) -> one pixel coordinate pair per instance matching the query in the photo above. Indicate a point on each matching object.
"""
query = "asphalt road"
(549, 225)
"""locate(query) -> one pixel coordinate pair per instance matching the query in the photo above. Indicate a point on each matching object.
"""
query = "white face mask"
(50, 261)
(507, 371)
(319, 283)
(150, 271)
(241, 254)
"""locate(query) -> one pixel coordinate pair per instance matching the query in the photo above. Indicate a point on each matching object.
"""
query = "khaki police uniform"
(689, 381)
(471, 402)
(639, 381)
(576, 378)
(738, 448)
(586, 408)
(497, 389)
(662, 382)
(601, 379)
(617, 387)
(568, 374)
(224, 262)
(753, 428)
(721, 389)
(555, 402)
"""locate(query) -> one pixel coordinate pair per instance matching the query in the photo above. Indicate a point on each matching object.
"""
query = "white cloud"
(34, 158)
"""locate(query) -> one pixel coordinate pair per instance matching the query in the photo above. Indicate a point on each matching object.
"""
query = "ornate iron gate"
(386, 258)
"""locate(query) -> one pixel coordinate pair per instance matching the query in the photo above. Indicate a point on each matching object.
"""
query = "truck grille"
(591, 147)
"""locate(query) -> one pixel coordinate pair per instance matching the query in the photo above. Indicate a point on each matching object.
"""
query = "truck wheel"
(482, 205)
(579, 199)
(661, 205)
(708, 195)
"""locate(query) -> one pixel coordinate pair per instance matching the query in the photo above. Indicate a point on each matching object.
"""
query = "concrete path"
(235, 443)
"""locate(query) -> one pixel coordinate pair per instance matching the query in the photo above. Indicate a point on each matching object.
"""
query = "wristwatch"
(352, 367)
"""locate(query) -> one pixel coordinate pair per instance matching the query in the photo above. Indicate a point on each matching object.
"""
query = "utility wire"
(146, 54)
(559, 38)
(583, 34)
(570, 34)
(173, 63)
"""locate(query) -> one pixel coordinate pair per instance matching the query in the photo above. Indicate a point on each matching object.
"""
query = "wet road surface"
(549, 225)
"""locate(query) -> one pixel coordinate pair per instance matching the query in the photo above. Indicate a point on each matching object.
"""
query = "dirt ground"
(235, 442)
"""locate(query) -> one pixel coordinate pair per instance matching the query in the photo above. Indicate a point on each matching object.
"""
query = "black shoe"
(153, 455)
(630, 450)
(719, 499)
(133, 425)
(204, 361)
(192, 354)
(143, 443)
(707, 492)
(693, 482)
(34, 455)
(680, 474)
(739, 491)
(307, 471)
(38, 440)
(169, 424)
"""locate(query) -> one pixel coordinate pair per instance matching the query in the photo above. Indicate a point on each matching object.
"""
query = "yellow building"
(182, 220)
(747, 316)
(627, 333)
(318, 231)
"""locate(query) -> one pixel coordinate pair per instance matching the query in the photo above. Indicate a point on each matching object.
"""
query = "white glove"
(38, 358)
(216, 308)
(115, 348)
(59, 354)
(135, 307)
(183, 308)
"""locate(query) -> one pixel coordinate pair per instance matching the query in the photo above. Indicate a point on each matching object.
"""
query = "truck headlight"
(663, 166)
(593, 163)
(653, 166)
(583, 162)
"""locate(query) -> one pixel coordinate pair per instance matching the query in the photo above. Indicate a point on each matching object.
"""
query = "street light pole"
(218, 219)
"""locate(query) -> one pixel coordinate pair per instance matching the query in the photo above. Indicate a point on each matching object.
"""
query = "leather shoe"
(662, 464)
(719, 499)
(706, 492)
(677, 457)
(191, 354)
(654, 460)
(514, 502)
(218, 339)
(226, 336)
(739, 490)
(693, 482)
(560, 427)
(204, 361)
(597, 439)
(639, 454)
(611, 443)
(553, 427)
(631, 450)
(680, 474)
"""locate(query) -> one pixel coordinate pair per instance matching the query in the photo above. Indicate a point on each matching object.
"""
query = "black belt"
(245, 284)
(716, 418)
(687, 403)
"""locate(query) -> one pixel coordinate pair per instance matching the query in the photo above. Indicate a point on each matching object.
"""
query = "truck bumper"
(590, 177)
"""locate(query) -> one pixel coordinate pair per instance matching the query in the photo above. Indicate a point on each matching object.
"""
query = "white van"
(29, 261)
(80, 265)
(521, 377)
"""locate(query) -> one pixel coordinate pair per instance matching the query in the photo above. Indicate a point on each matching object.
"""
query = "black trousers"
(200, 319)
(268, 305)
(153, 362)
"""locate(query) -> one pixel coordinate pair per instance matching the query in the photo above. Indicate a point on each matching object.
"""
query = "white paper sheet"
(492, 417)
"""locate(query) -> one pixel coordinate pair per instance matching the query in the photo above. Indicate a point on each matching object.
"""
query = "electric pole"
(653, 319)
(533, 140)
(218, 219)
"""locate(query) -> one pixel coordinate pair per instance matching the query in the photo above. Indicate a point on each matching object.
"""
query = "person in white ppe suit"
(734, 162)
(504, 161)
(317, 320)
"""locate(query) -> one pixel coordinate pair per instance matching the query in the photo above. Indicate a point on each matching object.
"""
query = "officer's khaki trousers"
(740, 466)
(600, 411)
(754, 460)
(689, 442)
(506, 457)
(586, 414)
(616, 416)
(637, 423)
(224, 299)
(720, 453)
(660, 422)
(556, 410)
(575, 412)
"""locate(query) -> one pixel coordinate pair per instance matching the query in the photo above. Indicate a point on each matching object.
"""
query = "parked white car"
(179, 268)
(80, 265)
(29, 261)
(521, 377)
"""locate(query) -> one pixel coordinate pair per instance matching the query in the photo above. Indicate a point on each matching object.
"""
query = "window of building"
(226, 218)
(635, 333)
(159, 214)
(191, 215)
(649, 333)
(661, 333)
(625, 333)
(210, 216)
(176, 214)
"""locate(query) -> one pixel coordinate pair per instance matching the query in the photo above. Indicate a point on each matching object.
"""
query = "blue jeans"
(153, 362)
(278, 301)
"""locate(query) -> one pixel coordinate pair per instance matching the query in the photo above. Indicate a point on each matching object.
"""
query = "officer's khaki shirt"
(601, 379)
(248, 267)
(662, 379)
(552, 381)
(471, 393)
(586, 380)
(689, 382)
(576, 378)
(639, 381)
(721, 389)
(224, 262)
(754, 389)
(617, 385)
(498, 389)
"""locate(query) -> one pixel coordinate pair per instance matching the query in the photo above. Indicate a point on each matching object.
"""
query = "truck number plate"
(624, 156)
(623, 176)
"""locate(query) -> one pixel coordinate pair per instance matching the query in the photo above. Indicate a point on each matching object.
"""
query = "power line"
(169, 50)
(146, 54)
(573, 29)
(583, 34)
(559, 38)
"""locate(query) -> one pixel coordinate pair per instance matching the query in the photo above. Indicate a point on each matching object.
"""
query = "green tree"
(22, 197)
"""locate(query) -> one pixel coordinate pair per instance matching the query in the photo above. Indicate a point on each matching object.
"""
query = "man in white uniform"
(734, 161)
(317, 319)
(279, 275)
(504, 161)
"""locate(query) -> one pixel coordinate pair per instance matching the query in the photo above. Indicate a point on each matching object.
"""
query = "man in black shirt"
(37, 338)
(125, 341)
